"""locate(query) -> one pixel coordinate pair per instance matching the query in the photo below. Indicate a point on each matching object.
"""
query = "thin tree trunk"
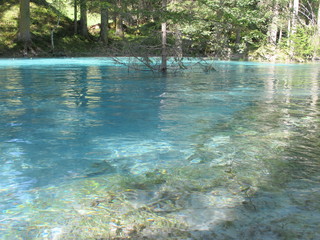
(177, 35)
(163, 67)
(280, 35)
(178, 41)
(24, 34)
(52, 32)
(289, 22)
(295, 12)
(104, 22)
(318, 19)
(75, 14)
(238, 35)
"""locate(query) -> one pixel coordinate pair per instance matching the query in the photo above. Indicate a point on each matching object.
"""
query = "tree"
(318, 19)
(295, 15)
(104, 21)
(119, 19)
(75, 15)
(164, 40)
(273, 26)
(24, 35)
(293, 26)
(83, 18)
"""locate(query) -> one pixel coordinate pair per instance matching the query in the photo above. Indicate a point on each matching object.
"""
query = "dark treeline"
(248, 29)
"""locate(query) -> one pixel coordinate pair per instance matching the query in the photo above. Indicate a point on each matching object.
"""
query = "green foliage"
(149, 28)
(301, 43)
(222, 28)
(207, 27)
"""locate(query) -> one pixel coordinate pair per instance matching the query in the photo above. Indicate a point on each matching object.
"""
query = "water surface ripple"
(230, 154)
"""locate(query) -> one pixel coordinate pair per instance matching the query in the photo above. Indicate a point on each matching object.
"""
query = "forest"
(263, 30)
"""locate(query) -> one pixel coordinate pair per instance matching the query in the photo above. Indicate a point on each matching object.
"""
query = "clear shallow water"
(228, 154)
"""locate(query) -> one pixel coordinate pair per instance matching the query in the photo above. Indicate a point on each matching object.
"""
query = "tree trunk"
(163, 67)
(119, 27)
(52, 32)
(24, 34)
(238, 35)
(140, 20)
(273, 28)
(83, 18)
(104, 22)
(280, 35)
(119, 21)
(318, 19)
(177, 34)
(289, 22)
(178, 41)
(75, 14)
(295, 13)
(294, 23)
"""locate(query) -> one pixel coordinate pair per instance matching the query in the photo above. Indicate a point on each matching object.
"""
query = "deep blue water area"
(55, 112)
(65, 122)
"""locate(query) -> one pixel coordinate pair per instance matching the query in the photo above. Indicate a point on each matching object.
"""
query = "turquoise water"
(229, 154)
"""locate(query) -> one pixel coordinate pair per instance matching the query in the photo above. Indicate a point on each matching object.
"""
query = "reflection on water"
(232, 154)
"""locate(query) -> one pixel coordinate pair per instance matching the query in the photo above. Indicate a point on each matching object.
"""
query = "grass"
(44, 19)
(8, 25)
(68, 11)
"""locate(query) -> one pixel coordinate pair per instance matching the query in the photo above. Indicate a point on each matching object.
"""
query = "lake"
(93, 150)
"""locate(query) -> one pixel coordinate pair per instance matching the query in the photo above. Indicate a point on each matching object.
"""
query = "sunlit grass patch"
(8, 25)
